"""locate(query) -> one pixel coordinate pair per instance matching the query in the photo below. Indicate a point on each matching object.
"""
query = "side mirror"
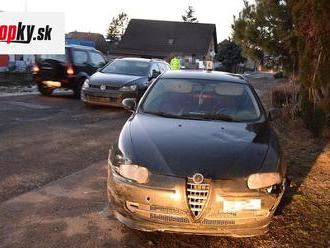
(129, 104)
(154, 74)
(274, 113)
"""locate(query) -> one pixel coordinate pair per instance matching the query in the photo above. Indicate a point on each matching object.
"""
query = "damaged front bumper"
(163, 204)
(111, 98)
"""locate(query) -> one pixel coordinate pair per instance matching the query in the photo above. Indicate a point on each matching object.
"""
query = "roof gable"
(85, 36)
(164, 37)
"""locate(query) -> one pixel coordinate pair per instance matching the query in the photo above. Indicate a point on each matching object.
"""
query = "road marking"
(28, 105)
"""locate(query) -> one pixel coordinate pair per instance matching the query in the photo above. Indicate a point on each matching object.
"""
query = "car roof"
(142, 59)
(207, 75)
(81, 47)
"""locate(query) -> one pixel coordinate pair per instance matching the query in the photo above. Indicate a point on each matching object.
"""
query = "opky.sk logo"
(21, 33)
(32, 33)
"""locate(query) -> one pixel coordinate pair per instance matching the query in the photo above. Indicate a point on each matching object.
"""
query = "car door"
(81, 63)
(96, 60)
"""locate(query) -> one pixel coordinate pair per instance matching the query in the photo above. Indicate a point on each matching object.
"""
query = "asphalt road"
(46, 138)
(53, 154)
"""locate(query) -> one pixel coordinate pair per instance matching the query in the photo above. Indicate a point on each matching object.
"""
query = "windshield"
(127, 67)
(201, 99)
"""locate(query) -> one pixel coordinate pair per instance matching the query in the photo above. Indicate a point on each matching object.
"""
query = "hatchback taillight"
(69, 70)
(35, 69)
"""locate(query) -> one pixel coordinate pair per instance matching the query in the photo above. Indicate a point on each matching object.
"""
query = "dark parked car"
(123, 78)
(68, 70)
(198, 155)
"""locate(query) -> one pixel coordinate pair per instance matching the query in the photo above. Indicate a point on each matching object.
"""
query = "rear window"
(57, 57)
(96, 59)
(80, 57)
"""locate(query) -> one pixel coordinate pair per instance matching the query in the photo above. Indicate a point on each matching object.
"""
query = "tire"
(88, 105)
(285, 198)
(77, 88)
(45, 90)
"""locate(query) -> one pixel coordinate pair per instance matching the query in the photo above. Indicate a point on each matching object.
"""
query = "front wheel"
(45, 90)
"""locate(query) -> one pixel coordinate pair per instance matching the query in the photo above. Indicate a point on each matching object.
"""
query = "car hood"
(114, 79)
(181, 148)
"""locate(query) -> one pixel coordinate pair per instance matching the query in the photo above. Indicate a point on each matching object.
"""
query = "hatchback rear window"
(57, 57)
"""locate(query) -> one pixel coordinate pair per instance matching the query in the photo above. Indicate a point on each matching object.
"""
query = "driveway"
(53, 180)
(46, 138)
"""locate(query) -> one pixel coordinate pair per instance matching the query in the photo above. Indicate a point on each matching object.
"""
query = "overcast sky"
(95, 15)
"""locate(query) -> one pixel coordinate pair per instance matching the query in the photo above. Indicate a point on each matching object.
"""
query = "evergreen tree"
(312, 28)
(297, 32)
(230, 55)
(265, 28)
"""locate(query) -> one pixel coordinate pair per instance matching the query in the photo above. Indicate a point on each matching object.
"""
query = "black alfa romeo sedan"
(198, 155)
(123, 78)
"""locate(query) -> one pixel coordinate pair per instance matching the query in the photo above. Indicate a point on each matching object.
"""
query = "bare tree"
(189, 15)
(117, 26)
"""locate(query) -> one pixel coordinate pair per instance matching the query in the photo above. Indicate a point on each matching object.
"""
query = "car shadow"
(302, 152)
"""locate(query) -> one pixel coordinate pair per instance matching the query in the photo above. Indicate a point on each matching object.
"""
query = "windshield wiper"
(203, 116)
(193, 116)
(163, 114)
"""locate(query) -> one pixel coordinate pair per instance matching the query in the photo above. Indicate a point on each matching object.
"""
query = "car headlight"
(127, 169)
(85, 84)
(264, 180)
(128, 88)
(134, 172)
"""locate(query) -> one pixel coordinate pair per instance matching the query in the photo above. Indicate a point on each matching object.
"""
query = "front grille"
(112, 88)
(94, 86)
(107, 87)
(101, 99)
(218, 222)
(167, 210)
(197, 195)
(169, 218)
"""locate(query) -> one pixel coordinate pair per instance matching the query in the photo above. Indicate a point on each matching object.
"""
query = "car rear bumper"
(106, 97)
(164, 207)
(67, 83)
